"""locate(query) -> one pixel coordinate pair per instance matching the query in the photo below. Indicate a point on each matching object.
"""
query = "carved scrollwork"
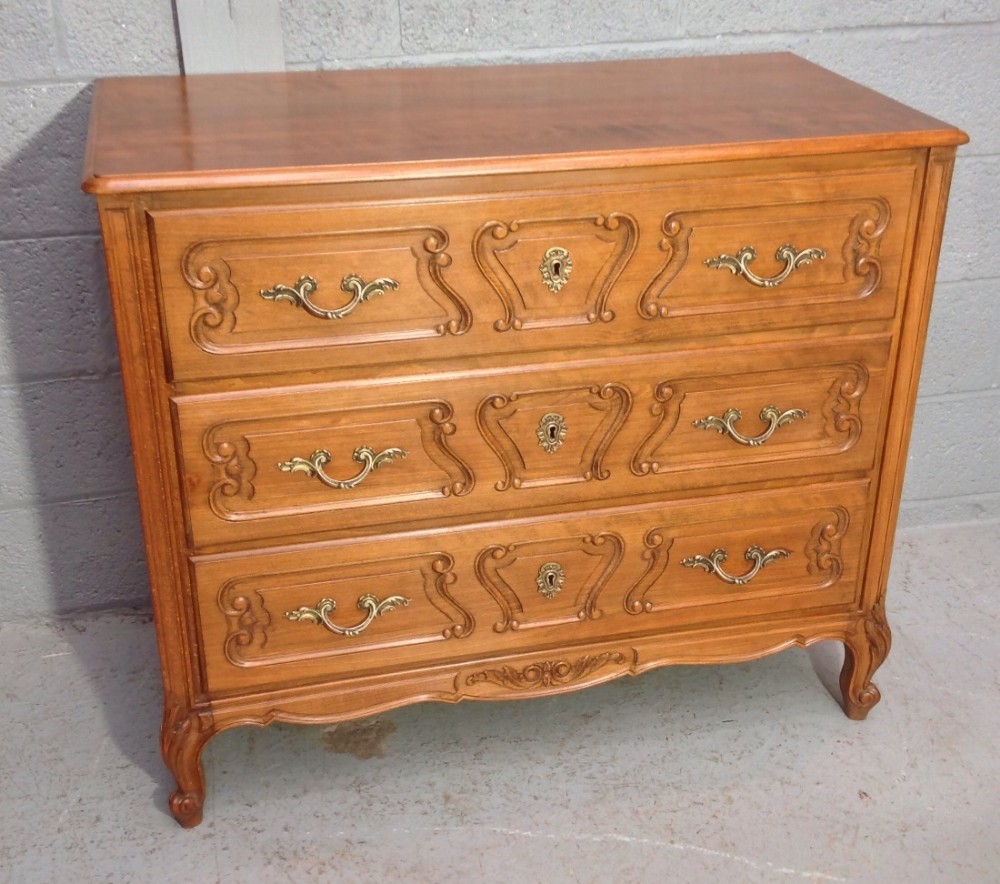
(867, 219)
(675, 244)
(522, 308)
(513, 595)
(612, 402)
(434, 433)
(207, 268)
(823, 549)
(243, 602)
(844, 402)
(547, 674)
(248, 619)
(667, 407)
(656, 554)
(233, 469)
(861, 249)
(227, 447)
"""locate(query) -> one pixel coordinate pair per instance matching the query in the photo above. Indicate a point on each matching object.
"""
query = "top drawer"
(267, 289)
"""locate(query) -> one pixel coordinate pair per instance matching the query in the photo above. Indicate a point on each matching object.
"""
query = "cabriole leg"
(183, 738)
(865, 649)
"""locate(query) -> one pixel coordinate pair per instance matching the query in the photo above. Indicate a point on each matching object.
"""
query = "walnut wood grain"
(455, 185)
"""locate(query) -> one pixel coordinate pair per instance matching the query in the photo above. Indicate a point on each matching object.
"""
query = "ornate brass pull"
(313, 465)
(298, 294)
(713, 563)
(321, 613)
(787, 253)
(555, 268)
(768, 413)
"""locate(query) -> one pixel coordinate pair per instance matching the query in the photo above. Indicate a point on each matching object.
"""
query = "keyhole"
(556, 267)
(552, 432)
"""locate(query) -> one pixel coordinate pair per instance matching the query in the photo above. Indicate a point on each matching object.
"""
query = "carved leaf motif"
(548, 674)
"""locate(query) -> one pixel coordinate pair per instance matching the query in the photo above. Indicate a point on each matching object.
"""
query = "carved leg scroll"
(865, 650)
(182, 739)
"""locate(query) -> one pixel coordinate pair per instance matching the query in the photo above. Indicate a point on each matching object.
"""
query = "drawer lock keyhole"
(555, 268)
(550, 579)
(551, 432)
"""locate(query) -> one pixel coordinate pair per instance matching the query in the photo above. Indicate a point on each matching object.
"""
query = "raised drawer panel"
(264, 290)
(291, 463)
(325, 611)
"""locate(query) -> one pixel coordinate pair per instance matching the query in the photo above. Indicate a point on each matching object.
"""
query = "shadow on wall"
(70, 537)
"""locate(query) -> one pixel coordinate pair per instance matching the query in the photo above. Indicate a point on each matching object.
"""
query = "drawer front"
(288, 463)
(401, 601)
(265, 290)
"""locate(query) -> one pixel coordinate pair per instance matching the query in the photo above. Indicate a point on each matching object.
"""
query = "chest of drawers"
(496, 383)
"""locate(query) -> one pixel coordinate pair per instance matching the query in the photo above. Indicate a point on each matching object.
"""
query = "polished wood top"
(159, 133)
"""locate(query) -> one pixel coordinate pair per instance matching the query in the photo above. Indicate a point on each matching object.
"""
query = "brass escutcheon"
(555, 268)
(550, 579)
(551, 432)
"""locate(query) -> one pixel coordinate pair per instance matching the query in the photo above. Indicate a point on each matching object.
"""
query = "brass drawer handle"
(298, 294)
(713, 563)
(787, 253)
(313, 465)
(769, 413)
(321, 613)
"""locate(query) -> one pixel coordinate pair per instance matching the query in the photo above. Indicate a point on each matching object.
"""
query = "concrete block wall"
(69, 536)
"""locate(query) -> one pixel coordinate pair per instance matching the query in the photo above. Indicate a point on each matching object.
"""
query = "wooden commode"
(492, 383)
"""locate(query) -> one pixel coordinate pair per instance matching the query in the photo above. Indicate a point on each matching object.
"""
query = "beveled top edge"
(245, 130)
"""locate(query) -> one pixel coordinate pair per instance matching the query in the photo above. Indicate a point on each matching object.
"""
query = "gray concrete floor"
(732, 773)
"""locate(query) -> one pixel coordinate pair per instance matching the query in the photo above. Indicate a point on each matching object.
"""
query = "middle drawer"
(324, 458)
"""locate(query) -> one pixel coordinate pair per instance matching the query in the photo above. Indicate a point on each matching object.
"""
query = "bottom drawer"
(330, 611)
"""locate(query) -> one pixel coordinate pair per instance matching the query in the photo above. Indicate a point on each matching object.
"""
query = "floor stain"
(362, 739)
